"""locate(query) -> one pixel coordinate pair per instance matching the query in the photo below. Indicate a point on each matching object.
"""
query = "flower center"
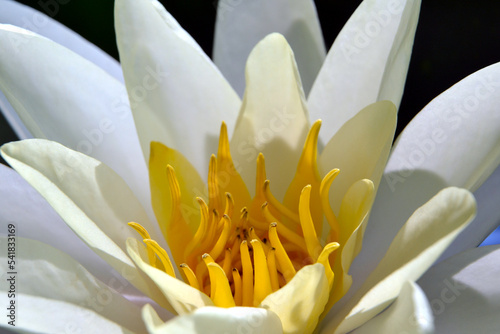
(245, 249)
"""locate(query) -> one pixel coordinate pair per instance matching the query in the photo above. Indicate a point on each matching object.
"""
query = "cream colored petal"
(26, 17)
(360, 149)
(92, 199)
(232, 320)
(415, 248)
(182, 298)
(410, 313)
(368, 62)
(43, 271)
(300, 302)
(177, 95)
(464, 292)
(241, 25)
(63, 97)
(273, 118)
(42, 315)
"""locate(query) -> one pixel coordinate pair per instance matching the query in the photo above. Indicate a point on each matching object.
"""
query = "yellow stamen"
(213, 186)
(162, 254)
(145, 235)
(247, 280)
(283, 230)
(201, 231)
(226, 265)
(221, 242)
(325, 204)
(220, 291)
(228, 211)
(325, 261)
(262, 287)
(312, 242)
(271, 266)
(237, 287)
(286, 265)
(189, 276)
(280, 207)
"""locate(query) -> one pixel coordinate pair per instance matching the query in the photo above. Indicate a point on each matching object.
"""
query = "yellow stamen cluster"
(245, 249)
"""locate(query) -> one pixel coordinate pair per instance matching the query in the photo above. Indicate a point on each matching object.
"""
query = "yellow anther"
(226, 265)
(324, 191)
(229, 205)
(253, 236)
(283, 230)
(145, 235)
(325, 261)
(277, 204)
(271, 266)
(162, 254)
(286, 265)
(220, 291)
(201, 232)
(313, 246)
(237, 287)
(189, 276)
(247, 279)
(262, 285)
(221, 242)
(213, 186)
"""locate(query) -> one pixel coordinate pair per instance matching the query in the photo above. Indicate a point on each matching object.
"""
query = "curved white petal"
(232, 320)
(26, 17)
(35, 219)
(423, 238)
(242, 24)
(177, 95)
(456, 136)
(273, 118)
(65, 98)
(88, 195)
(410, 314)
(43, 271)
(368, 62)
(464, 293)
(42, 315)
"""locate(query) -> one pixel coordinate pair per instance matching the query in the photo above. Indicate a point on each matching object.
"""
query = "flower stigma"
(242, 249)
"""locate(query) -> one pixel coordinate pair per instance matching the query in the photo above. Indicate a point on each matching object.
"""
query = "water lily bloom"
(255, 233)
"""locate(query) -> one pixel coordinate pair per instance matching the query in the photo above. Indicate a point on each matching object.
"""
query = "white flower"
(169, 81)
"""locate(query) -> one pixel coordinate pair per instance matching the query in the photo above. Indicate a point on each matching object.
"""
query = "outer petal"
(464, 293)
(63, 97)
(88, 195)
(410, 313)
(42, 315)
(241, 25)
(360, 148)
(232, 320)
(23, 16)
(273, 119)
(368, 62)
(24, 207)
(178, 96)
(182, 298)
(43, 271)
(445, 145)
(417, 245)
(300, 303)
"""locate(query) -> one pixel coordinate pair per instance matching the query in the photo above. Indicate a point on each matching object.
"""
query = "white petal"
(273, 118)
(41, 315)
(410, 314)
(456, 136)
(464, 292)
(367, 62)
(88, 195)
(65, 98)
(423, 238)
(242, 24)
(36, 219)
(178, 96)
(233, 320)
(25, 17)
(43, 271)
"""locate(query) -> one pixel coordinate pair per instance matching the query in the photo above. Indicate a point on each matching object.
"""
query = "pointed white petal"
(24, 207)
(367, 62)
(25, 17)
(241, 25)
(43, 271)
(65, 98)
(42, 315)
(273, 118)
(410, 314)
(423, 238)
(464, 292)
(92, 199)
(178, 96)
(233, 320)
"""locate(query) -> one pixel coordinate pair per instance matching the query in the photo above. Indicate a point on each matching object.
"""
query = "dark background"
(454, 38)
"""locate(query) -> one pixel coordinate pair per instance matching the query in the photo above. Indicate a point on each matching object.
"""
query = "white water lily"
(163, 64)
